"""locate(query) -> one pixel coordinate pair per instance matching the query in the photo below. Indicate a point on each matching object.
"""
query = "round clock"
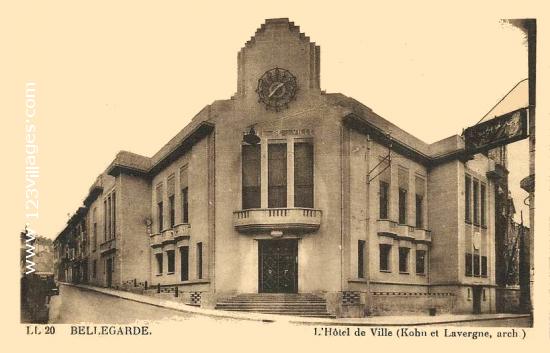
(276, 88)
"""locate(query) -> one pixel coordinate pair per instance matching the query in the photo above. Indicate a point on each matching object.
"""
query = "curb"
(268, 318)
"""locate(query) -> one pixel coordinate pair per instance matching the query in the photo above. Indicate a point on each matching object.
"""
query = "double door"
(278, 266)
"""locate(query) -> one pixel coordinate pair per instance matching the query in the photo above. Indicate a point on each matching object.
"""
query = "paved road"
(75, 305)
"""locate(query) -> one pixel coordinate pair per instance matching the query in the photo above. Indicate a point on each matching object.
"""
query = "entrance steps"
(305, 305)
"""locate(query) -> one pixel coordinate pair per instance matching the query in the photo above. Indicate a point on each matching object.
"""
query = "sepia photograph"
(189, 168)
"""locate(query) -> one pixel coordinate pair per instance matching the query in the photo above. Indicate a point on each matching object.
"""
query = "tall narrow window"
(419, 211)
(171, 190)
(276, 180)
(476, 202)
(251, 176)
(385, 251)
(303, 175)
(113, 220)
(477, 267)
(172, 211)
(108, 218)
(420, 262)
(105, 220)
(420, 192)
(160, 217)
(94, 229)
(159, 263)
(468, 265)
(404, 260)
(468, 199)
(184, 263)
(384, 191)
(185, 205)
(361, 259)
(171, 259)
(199, 260)
(484, 266)
(184, 187)
(402, 206)
(483, 205)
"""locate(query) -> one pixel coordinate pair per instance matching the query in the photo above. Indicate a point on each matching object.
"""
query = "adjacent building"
(284, 188)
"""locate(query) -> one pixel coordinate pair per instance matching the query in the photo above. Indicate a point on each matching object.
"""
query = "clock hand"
(275, 89)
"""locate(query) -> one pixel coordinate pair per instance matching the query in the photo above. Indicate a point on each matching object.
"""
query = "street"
(74, 305)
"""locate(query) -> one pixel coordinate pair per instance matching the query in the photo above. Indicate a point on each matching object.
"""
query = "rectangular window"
(477, 268)
(172, 211)
(484, 266)
(420, 262)
(303, 175)
(109, 217)
(476, 202)
(361, 259)
(159, 263)
(404, 260)
(185, 205)
(468, 265)
(160, 213)
(105, 220)
(113, 218)
(384, 191)
(94, 229)
(276, 180)
(184, 263)
(467, 199)
(385, 251)
(419, 211)
(171, 259)
(199, 260)
(251, 176)
(483, 206)
(402, 206)
(94, 269)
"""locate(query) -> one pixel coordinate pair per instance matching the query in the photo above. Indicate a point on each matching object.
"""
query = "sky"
(129, 75)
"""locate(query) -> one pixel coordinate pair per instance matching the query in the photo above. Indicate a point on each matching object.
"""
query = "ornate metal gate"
(278, 266)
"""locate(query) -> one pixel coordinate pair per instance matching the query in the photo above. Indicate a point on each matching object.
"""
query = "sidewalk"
(411, 320)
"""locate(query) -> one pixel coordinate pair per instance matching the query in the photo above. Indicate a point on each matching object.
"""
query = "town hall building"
(286, 190)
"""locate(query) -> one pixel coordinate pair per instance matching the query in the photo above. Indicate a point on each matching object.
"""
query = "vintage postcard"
(299, 174)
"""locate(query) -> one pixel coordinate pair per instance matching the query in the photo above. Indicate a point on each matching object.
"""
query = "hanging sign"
(496, 132)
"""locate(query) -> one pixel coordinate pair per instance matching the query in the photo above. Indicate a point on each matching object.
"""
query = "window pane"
(172, 211)
(419, 211)
(361, 259)
(483, 206)
(159, 263)
(477, 269)
(384, 188)
(185, 205)
(404, 260)
(184, 265)
(385, 257)
(199, 260)
(170, 255)
(160, 216)
(420, 261)
(276, 175)
(251, 176)
(476, 202)
(467, 198)
(484, 266)
(303, 175)
(402, 206)
(468, 265)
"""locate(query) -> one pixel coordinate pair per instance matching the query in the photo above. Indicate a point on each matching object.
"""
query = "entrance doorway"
(278, 266)
(476, 297)
(109, 272)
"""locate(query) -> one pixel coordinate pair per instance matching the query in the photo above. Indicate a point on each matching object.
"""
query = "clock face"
(276, 88)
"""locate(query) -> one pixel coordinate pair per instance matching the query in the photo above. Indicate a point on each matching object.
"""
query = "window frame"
(387, 255)
(404, 251)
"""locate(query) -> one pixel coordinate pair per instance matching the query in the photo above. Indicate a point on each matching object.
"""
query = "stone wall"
(507, 300)
(400, 303)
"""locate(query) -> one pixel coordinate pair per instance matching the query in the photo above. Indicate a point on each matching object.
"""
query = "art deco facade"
(284, 188)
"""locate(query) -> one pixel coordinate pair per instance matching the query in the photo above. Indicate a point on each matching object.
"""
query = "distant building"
(43, 253)
(284, 188)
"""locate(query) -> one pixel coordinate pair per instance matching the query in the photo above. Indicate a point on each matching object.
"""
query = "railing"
(171, 235)
(107, 246)
(266, 219)
(393, 229)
